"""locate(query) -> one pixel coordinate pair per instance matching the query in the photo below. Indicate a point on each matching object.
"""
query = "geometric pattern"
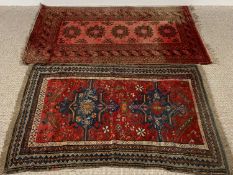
(157, 109)
(115, 35)
(87, 108)
(126, 116)
(117, 32)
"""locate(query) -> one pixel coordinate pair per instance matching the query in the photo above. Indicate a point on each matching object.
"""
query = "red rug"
(150, 116)
(120, 35)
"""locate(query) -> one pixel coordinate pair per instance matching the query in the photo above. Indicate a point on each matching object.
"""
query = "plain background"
(115, 2)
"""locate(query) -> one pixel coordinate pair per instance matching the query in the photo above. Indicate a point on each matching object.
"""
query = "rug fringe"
(219, 128)
(199, 27)
(15, 113)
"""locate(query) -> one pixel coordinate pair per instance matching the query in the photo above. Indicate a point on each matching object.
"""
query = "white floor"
(113, 2)
(215, 26)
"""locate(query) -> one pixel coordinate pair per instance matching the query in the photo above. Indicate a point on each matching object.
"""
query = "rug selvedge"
(99, 115)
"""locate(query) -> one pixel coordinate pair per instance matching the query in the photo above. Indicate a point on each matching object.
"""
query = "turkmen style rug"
(120, 35)
(138, 116)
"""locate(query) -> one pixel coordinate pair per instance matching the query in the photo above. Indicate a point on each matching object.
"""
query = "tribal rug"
(133, 116)
(120, 35)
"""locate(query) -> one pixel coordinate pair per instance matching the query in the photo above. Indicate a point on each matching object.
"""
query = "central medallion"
(157, 109)
(87, 108)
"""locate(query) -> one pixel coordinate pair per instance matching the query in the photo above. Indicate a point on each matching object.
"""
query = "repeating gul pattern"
(118, 32)
(115, 35)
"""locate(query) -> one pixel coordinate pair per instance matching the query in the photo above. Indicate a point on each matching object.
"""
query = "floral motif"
(107, 87)
(118, 128)
(95, 31)
(144, 31)
(71, 32)
(105, 129)
(141, 132)
(167, 31)
(132, 94)
(120, 31)
(139, 88)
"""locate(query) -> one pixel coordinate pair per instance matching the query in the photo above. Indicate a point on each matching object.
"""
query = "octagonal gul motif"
(119, 32)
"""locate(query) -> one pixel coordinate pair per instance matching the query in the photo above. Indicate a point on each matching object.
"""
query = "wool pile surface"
(133, 116)
(115, 35)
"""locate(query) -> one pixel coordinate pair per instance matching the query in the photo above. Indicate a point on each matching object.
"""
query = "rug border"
(192, 20)
(14, 118)
(228, 156)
